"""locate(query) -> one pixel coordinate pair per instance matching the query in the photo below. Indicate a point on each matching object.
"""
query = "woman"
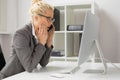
(33, 43)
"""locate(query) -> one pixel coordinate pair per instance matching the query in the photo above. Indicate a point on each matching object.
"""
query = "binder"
(57, 19)
(74, 27)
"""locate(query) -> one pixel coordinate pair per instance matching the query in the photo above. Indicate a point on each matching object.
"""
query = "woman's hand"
(42, 34)
(50, 36)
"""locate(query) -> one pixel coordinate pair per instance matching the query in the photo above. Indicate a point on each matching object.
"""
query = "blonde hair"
(39, 7)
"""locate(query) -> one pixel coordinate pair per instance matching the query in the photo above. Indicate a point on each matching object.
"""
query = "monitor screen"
(90, 33)
(89, 42)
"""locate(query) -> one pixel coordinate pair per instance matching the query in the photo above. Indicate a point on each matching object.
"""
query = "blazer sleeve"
(45, 59)
(28, 57)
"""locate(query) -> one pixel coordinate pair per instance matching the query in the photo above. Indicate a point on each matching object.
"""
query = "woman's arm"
(28, 57)
(45, 59)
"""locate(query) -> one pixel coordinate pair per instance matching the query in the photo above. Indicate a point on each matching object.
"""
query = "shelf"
(57, 57)
(72, 58)
(59, 31)
(63, 58)
(69, 31)
(74, 31)
(71, 13)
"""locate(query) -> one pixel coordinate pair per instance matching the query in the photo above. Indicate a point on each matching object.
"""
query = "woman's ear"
(36, 21)
(36, 17)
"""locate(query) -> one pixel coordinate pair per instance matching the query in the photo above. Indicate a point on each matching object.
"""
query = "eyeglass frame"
(48, 18)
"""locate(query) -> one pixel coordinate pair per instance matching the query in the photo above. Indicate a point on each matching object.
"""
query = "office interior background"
(17, 15)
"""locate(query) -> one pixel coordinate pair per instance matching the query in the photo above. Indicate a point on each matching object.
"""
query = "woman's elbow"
(43, 64)
(29, 69)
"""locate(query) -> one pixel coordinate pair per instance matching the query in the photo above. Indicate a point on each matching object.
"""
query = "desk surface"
(58, 66)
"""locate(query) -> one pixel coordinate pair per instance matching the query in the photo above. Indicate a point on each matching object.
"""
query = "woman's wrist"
(49, 43)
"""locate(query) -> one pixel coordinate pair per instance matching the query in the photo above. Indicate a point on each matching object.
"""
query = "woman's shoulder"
(26, 29)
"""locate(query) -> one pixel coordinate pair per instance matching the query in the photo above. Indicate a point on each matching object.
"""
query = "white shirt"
(33, 33)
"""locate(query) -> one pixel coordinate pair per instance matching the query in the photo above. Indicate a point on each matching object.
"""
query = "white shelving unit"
(71, 13)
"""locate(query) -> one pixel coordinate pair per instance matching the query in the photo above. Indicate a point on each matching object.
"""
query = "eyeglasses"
(48, 18)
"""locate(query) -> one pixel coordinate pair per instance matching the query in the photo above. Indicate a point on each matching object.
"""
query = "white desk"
(57, 66)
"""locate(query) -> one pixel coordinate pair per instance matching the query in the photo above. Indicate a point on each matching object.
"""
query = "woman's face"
(43, 19)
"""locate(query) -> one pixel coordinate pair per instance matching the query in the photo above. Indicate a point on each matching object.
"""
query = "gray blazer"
(26, 53)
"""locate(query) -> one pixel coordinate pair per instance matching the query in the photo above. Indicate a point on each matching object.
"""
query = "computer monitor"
(89, 43)
(90, 40)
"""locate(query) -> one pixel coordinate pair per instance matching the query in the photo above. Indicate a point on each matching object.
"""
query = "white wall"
(12, 15)
(3, 15)
(110, 28)
(23, 12)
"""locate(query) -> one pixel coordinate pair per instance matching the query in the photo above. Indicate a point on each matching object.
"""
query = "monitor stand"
(100, 53)
(103, 71)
